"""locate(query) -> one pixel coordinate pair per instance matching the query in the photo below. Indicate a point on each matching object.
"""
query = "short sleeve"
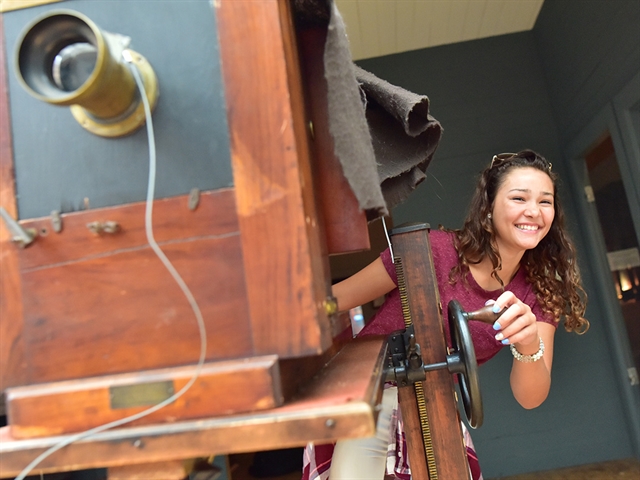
(389, 265)
(525, 292)
(536, 309)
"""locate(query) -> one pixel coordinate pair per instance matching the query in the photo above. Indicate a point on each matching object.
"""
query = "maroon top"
(470, 295)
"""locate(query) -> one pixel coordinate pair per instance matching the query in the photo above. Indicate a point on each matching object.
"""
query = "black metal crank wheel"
(462, 362)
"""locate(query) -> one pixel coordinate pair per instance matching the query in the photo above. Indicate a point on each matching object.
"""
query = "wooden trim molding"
(12, 361)
(345, 224)
(287, 281)
(220, 389)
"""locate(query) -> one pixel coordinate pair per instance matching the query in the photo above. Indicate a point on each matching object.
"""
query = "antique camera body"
(94, 327)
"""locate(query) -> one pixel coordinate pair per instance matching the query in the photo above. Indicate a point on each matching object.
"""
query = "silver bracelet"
(527, 358)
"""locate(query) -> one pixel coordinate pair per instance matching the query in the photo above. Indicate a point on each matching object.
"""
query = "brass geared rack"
(419, 391)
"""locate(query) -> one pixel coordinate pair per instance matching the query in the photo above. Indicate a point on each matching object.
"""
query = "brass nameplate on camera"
(140, 395)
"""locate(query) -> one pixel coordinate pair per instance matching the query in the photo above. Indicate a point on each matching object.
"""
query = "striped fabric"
(317, 458)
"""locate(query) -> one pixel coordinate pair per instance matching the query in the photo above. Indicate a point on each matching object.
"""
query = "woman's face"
(523, 210)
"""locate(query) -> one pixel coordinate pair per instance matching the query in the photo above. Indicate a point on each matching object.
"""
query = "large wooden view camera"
(250, 201)
(93, 326)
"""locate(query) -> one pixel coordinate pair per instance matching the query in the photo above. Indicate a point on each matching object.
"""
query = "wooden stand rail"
(339, 403)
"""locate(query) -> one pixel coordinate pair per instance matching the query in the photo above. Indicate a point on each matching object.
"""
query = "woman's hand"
(517, 324)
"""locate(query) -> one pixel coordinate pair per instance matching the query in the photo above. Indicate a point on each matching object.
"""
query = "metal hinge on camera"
(104, 227)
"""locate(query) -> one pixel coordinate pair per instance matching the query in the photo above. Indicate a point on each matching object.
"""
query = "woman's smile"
(531, 228)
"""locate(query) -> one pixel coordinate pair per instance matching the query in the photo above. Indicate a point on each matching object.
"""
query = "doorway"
(623, 249)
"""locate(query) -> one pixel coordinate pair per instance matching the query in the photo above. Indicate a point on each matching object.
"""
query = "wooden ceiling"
(383, 27)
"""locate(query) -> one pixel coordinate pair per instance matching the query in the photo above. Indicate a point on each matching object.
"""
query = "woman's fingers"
(517, 324)
(503, 304)
(521, 330)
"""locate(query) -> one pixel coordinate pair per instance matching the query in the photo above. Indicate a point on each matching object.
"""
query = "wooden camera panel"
(77, 305)
(122, 311)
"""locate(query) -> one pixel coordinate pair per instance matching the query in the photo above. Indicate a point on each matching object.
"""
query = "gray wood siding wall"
(589, 50)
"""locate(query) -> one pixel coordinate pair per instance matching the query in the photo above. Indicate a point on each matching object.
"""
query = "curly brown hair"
(551, 267)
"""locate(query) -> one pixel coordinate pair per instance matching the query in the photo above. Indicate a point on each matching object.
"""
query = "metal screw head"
(330, 306)
(56, 221)
(194, 198)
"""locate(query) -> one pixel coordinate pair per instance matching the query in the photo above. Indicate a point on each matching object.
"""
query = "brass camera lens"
(63, 58)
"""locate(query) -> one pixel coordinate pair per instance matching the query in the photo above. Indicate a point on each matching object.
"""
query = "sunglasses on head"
(502, 158)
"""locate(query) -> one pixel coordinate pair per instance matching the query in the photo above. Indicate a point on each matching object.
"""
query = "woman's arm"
(371, 282)
(530, 382)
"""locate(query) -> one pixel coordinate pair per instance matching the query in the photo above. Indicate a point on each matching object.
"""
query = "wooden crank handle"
(485, 314)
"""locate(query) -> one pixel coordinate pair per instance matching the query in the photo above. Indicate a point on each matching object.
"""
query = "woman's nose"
(532, 210)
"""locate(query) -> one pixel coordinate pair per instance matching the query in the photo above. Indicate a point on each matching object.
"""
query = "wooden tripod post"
(429, 409)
